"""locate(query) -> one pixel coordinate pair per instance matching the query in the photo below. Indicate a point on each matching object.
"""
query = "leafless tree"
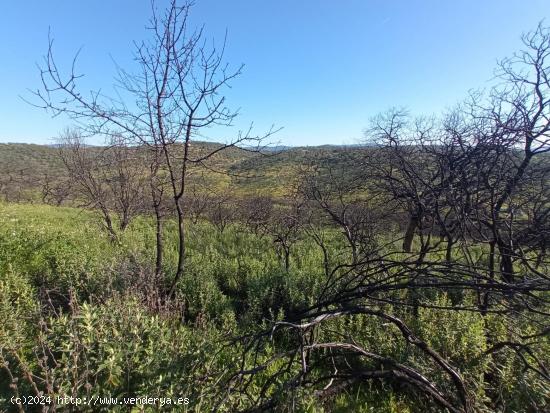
(477, 177)
(55, 190)
(284, 227)
(178, 92)
(198, 198)
(221, 210)
(339, 193)
(256, 213)
(13, 185)
(403, 171)
(106, 179)
(518, 113)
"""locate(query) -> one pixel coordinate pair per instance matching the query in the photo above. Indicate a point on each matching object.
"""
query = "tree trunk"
(326, 265)
(159, 242)
(287, 258)
(449, 250)
(506, 264)
(484, 301)
(109, 224)
(409, 233)
(181, 247)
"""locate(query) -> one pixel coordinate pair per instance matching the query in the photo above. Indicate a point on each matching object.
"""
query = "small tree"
(339, 194)
(178, 93)
(256, 213)
(220, 211)
(107, 179)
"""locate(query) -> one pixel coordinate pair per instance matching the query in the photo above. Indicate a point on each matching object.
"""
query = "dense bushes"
(84, 316)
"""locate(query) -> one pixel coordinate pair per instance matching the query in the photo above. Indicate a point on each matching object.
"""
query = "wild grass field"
(103, 330)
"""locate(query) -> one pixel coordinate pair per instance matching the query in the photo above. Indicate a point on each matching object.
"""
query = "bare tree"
(106, 179)
(339, 193)
(55, 190)
(403, 170)
(198, 199)
(519, 114)
(220, 211)
(477, 178)
(178, 92)
(284, 227)
(256, 212)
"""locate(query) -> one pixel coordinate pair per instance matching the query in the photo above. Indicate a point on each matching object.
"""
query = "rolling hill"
(26, 169)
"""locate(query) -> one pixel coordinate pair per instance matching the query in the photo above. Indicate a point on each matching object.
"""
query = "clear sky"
(320, 69)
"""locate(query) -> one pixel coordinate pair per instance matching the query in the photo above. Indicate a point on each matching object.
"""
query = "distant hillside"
(29, 159)
(25, 169)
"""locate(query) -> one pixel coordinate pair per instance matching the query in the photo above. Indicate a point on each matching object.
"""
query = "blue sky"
(318, 68)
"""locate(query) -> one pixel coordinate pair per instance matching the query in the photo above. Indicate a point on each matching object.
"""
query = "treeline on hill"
(32, 173)
(410, 274)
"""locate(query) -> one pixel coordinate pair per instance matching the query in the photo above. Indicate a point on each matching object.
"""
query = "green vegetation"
(410, 275)
(30, 173)
(108, 336)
